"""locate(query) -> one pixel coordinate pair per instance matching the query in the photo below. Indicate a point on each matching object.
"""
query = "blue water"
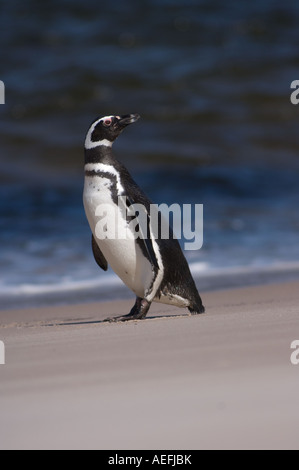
(212, 83)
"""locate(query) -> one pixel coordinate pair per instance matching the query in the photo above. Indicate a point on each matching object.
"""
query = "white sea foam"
(64, 286)
(110, 283)
(275, 267)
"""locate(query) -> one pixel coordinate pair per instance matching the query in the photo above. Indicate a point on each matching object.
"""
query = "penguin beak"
(128, 119)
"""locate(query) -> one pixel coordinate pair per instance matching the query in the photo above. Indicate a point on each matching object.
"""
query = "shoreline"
(102, 290)
(222, 380)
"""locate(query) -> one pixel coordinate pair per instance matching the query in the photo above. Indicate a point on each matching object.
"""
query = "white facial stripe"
(91, 145)
(88, 142)
(102, 167)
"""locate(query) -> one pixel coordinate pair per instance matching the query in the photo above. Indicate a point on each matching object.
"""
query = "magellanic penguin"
(154, 268)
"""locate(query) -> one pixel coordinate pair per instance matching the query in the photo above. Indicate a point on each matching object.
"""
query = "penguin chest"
(109, 226)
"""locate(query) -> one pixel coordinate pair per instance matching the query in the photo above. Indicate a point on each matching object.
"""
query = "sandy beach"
(223, 380)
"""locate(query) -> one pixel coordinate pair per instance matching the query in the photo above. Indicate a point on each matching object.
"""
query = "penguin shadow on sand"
(154, 316)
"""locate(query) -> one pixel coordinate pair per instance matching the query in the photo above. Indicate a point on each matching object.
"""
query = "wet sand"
(223, 380)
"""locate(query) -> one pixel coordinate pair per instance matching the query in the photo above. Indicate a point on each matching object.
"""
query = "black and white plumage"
(154, 269)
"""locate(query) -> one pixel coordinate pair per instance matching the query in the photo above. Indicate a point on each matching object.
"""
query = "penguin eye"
(107, 122)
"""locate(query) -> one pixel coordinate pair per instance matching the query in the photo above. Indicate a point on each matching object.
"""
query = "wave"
(110, 286)
(60, 287)
(275, 267)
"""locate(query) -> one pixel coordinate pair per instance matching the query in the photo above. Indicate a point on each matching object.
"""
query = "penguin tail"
(196, 309)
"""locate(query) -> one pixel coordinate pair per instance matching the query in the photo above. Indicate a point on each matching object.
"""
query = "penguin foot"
(197, 310)
(138, 312)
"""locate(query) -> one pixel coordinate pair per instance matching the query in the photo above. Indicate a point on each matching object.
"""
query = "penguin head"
(105, 130)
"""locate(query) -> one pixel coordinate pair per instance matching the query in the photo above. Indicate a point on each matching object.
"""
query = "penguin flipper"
(98, 255)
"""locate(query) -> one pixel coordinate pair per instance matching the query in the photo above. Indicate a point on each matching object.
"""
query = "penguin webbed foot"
(197, 310)
(138, 312)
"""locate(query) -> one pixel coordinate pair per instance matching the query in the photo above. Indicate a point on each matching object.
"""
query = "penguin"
(154, 268)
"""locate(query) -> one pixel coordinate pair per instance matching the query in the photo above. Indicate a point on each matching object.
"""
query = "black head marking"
(104, 131)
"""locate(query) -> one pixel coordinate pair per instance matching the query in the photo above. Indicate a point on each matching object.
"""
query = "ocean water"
(211, 81)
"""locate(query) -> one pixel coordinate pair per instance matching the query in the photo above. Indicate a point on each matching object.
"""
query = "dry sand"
(218, 381)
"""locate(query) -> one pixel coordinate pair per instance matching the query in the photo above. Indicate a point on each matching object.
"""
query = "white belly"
(123, 255)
